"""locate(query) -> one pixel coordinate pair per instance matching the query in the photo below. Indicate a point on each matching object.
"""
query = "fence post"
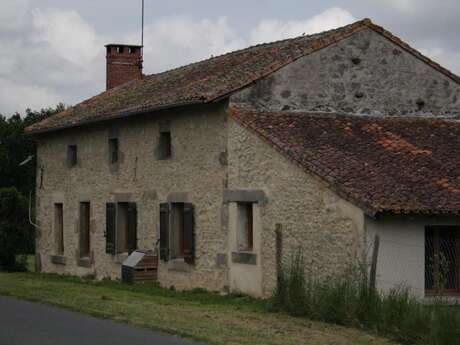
(279, 254)
(375, 255)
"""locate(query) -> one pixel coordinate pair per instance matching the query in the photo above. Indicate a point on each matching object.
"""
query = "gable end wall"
(363, 74)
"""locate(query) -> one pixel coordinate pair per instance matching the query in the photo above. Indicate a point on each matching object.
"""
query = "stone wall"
(363, 74)
(195, 173)
(328, 229)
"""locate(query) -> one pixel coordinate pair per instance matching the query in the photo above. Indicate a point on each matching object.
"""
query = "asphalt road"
(26, 323)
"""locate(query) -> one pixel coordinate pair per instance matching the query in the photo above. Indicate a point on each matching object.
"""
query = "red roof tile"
(398, 165)
(208, 80)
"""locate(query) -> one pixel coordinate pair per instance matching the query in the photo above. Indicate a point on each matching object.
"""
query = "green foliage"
(16, 233)
(350, 301)
(15, 147)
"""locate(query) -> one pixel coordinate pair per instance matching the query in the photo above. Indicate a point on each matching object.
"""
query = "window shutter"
(164, 231)
(189, 234)
(110, 229)
(132, 227)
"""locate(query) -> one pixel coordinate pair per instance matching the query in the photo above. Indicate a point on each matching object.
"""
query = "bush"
(350, 301)
(16, 234)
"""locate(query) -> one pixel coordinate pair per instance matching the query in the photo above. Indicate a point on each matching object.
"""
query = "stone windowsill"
(178, 265)
(84, 262)
(248, 258)
(57, 259)
(120, 257)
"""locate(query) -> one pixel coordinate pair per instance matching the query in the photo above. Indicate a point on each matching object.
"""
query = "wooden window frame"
(59, 227)
(121, 225)
(179, 245)
(249, 222)
(436, 249)
(85, 229)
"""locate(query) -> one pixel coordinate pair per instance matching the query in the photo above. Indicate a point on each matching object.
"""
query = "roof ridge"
(265, 44)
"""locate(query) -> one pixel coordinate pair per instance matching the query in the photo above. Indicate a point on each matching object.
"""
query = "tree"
(16, 146)
(16, 182)
(16, 234)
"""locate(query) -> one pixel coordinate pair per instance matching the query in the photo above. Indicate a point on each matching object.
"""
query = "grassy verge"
(195, 314)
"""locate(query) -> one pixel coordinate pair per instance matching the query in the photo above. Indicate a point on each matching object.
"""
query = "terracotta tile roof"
(390, 164)
(208, 80)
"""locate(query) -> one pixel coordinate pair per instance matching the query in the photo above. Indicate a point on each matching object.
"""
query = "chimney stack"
(124, 63)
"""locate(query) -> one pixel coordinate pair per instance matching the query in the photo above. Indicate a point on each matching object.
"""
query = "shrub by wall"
(350, 301)
(16, 234)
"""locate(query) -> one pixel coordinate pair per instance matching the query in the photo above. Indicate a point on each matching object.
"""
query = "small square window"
(245, 233)
(72, 155)
(164, 147)
(113, 150)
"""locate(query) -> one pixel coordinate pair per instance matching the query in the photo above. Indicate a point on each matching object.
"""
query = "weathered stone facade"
(211, 157)
(328, 229)
(195, 172)
(217, 163)
(363, 74)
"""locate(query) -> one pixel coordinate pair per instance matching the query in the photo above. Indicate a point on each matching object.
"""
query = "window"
(164, 147)
(245, 225)
(121, 227)
(59, 228)
(84, 229)
(442, 260)
(113, 150)
(72, 155)
(120, 49)
(177, 232)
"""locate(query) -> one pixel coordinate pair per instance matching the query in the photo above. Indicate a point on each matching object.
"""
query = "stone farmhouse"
(226, 166)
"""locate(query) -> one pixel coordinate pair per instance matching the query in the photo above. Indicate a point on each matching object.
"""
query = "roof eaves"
(104, 118)
(365, 207)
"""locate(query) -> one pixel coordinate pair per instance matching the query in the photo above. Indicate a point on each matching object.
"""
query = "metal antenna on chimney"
(142, 31)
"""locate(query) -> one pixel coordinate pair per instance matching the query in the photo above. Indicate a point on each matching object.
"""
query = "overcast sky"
(52, 51)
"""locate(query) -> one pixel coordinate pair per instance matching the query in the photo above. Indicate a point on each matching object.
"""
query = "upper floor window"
(164, 146)
(113, 150)
(72, 155)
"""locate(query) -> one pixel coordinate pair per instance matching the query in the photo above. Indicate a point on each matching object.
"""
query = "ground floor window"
(121, 227)
(245, 235)
(442, 259)
(59, 228)
(85, 229)
(177, 238)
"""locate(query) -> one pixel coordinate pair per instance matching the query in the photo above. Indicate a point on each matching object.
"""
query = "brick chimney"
(124, 63)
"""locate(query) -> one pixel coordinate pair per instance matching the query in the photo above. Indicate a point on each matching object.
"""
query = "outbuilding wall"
(401, 255)
(328, 230)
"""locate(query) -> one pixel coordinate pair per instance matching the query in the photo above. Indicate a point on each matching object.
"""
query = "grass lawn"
(195, 314)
